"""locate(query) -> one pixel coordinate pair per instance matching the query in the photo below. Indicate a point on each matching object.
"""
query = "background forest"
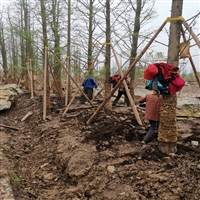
(74, 32)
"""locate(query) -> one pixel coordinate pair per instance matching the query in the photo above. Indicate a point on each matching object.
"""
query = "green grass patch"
(15, 178)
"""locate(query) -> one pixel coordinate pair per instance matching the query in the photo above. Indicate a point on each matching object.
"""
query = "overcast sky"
(163, 7)
(190, 9)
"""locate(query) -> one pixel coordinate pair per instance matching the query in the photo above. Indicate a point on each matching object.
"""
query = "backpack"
(176, 84)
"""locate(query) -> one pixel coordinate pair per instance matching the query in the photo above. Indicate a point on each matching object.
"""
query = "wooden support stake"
(192, 33)
(97, 94)
(67, 88)
(54, 79)
(127, 72)
(79, 87)
(31, 77)
(45, 85)
(191, 60)
(11, 127)
(127, 91)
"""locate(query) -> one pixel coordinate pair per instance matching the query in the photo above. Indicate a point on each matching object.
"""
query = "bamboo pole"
(127, 72)
(127, 90)
(45, 84)
(191, 60)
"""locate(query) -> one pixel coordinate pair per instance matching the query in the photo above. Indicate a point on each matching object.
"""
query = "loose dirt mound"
(63, 158)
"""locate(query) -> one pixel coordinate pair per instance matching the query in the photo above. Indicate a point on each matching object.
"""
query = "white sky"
(3, 2)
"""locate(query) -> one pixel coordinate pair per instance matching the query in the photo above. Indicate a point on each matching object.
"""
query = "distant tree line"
(72, 29)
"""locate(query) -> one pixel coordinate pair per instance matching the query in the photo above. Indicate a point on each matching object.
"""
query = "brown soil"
(62, 158)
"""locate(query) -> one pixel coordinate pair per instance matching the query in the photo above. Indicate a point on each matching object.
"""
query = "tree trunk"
(14, 56)
(55, 29)
(22, 49)
(68, 50)
(167, 134)
(27, 43)
(3, 52)
(107, 85)
(135, 36)
(90, 58)
(45, 43)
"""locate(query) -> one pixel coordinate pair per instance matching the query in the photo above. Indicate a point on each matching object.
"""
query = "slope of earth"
(62, 158)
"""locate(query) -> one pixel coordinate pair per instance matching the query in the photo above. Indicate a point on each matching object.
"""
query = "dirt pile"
(63, 158)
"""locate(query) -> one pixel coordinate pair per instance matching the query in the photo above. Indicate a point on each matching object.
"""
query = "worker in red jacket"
(122, 91)
(152, 114)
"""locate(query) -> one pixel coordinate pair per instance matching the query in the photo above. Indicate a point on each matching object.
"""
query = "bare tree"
(45, 45)
(107, 84)
(90, 31)
(25, 40)
(69, 49)
(132, 16)
(54, 23)
(135, 38)
(89, 22)
(14, 57)
(3, 51)
(168, 134)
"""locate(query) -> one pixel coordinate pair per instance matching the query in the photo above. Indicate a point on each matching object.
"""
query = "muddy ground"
(62, 158)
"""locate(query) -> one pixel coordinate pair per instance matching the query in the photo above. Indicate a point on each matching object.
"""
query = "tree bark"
(175, 33)
(45, 43)
(68, 50)
(107, 84)
(167, 134)
(90, 58)
(27, 44)
(3, 52)
(55, 28)
(135, 37)
(22, 49)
